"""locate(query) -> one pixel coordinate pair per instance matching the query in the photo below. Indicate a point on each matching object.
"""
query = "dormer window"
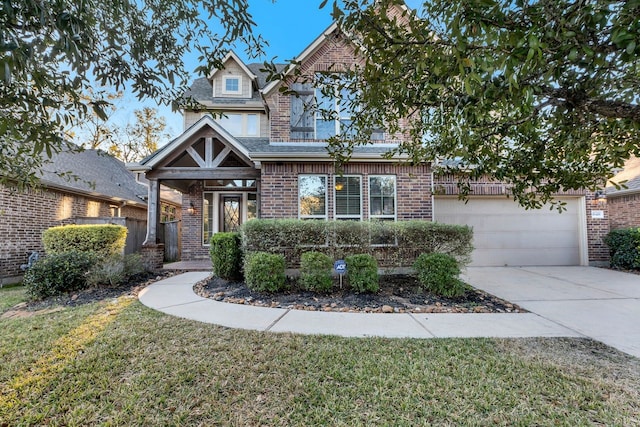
(232, 85)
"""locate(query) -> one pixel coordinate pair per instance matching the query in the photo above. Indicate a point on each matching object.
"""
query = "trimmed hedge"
(264, 272)
(405, 240)
(58, 273)
(438, 273)
(362, 273)
(315, 272)
(226, 255)
(624, 248)
(102, 240)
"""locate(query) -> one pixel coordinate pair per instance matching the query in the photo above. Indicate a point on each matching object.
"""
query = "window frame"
(326, 197)
(225, 91)
(393, 217)
(339, 113)
(244, 123)
(337, 216)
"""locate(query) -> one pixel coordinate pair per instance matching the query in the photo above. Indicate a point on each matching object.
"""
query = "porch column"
(153, 213)
(152, 251)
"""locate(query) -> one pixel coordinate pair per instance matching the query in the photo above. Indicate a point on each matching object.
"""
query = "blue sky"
(288, 25)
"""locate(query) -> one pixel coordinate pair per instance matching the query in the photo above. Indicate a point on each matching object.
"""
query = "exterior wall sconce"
(599, 198)
(191, 209)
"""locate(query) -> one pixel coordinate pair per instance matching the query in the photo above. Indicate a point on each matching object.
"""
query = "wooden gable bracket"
(210, 162)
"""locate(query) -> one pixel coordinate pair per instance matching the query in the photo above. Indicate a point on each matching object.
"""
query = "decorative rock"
(387, 309)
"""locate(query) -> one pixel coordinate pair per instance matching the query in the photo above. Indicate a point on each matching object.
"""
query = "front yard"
(117, 362)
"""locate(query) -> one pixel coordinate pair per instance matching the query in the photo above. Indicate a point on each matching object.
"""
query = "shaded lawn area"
(119, 363)
(11, 295)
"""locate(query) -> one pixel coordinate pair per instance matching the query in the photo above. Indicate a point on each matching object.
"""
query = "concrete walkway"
(564, 302)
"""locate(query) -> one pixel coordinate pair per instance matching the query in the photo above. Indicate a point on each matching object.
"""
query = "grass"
(120, 363)
(10, 296)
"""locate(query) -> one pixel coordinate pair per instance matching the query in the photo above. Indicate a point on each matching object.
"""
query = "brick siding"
(624, 210)
(25, 215)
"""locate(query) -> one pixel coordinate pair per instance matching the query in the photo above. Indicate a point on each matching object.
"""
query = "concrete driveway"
(599, 303)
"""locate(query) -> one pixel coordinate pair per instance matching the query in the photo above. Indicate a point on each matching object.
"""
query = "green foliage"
(115, 269)
(315, 272)
(226, 255)
(439, 273)
(51, 53)
(264, 272)
(362, 273)
(103, 240)
(58, 273)
(624, 248)
(338, 239)
(537, 94)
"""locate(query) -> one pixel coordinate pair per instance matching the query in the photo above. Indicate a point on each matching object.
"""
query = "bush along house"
(253, 151)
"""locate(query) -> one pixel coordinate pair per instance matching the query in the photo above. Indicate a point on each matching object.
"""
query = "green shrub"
(264, 272)
(226, 255)
(624, 248)
(438, 273)
(315, 272)
(58, 273)
(362, 273)
(115, 270)
(103, 240)
(397, 243)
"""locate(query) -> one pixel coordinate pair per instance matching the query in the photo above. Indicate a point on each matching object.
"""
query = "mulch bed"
(398, 294)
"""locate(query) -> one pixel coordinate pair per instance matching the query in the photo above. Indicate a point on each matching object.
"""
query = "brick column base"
(153, 256)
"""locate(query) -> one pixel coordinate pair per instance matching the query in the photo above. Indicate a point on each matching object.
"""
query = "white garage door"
(507, 234)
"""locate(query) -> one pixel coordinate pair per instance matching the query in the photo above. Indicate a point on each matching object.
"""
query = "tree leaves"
(542, 95)
(52, 53)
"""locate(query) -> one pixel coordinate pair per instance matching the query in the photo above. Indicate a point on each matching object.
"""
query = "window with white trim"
(332, 111)
(312, 196)
(232, 85)
(382, 197)
(382, 206)
(348, 198)
(240, 124)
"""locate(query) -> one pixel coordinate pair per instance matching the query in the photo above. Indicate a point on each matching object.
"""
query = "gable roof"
(310, 50)
(232, 55)
(206, 121)
(98, 174)
(631, 174)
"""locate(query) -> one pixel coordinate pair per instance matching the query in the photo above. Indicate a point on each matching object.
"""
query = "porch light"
(191, 209)
(600, 196)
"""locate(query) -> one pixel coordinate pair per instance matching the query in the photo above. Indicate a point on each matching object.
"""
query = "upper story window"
(240, 124)
(231, 85)
(333, 112)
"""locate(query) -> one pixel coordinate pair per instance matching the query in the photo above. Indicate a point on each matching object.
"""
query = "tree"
(52, 52)
(97, 131)
(541, 94)
(141, 138)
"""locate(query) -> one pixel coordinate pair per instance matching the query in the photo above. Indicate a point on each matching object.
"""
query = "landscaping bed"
(397, 294)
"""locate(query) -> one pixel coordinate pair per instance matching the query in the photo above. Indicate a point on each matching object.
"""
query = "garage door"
(507, 234)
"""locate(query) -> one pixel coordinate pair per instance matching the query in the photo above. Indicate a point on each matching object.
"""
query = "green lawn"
(10, 296)
(120, 363)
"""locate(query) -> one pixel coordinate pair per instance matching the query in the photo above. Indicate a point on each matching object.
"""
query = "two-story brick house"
(266, 157)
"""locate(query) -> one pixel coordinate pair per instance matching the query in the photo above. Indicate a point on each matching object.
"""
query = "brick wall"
(279, 187)
(192, 247)
(596, 228)
(25, 215)
(624, 210)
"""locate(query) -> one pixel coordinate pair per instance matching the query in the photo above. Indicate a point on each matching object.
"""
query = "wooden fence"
(136, 230)
(170, 233)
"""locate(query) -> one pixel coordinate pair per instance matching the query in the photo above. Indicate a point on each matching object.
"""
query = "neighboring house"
(624, 204)
(266, 157)
(97, 188)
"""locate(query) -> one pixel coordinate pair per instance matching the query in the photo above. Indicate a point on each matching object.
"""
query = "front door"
(231, 214)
